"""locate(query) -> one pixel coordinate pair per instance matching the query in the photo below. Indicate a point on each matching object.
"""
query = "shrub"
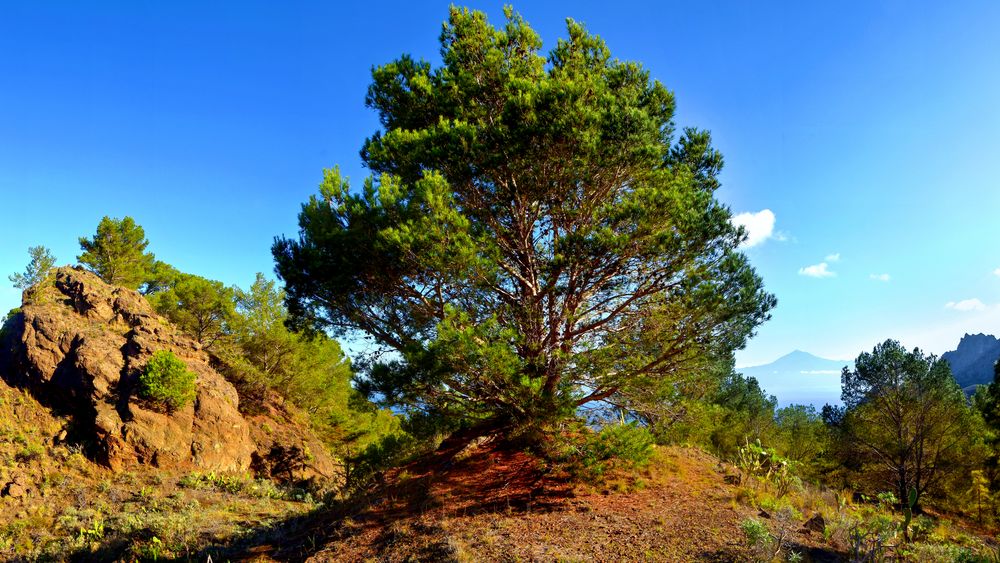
(388, 451)
(167, 382)
(921, 527)
(589, 455)
(871, 536)
(755, 532)
(758, 539)
(244, 485)
(628, 443)
(7, 324)
(30, 452)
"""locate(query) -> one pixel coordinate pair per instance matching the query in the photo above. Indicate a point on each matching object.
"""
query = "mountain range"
(802, 378)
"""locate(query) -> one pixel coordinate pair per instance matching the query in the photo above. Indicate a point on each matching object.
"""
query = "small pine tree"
(166, 382)
(980, 492)
(38, 268)
(117, 253)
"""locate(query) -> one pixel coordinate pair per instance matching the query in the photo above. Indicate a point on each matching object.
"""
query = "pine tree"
(536, 236)
(117, 252)
(37, 270)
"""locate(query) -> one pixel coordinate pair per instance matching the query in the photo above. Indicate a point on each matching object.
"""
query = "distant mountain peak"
(799, 356)
(972, 361)
(978, 339)
(800, 377)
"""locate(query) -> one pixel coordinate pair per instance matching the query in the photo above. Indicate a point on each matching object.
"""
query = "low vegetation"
(167, 382)
(57, 505)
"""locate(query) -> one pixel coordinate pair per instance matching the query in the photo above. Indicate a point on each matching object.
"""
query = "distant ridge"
(800, 378)
(972, 362)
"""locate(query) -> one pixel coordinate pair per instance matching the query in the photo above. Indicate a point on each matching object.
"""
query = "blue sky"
(869, 131)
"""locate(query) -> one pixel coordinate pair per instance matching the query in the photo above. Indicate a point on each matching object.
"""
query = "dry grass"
(484, 502)
(75, 509)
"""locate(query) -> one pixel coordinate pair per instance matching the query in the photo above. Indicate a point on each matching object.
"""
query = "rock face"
(80, 344)
(288, 454)
(972, 362)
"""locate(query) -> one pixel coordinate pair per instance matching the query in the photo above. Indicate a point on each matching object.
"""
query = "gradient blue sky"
(869, 130)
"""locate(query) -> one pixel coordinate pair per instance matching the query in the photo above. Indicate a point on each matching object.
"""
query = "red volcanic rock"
(80, 345)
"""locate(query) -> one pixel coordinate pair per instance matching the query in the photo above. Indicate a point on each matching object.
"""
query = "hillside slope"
(90, 472)
(487, 501)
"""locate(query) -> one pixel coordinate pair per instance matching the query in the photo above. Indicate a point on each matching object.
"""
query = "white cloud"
(759, 227)
(835, 257)
(966, 305)
(996, 272)
(880, 277)
(819, 372)
(820, 270)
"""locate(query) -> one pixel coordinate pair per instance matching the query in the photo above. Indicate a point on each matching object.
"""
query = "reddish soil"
(486, 501)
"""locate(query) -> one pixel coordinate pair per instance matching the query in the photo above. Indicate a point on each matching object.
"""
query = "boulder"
(814, 524)
(18, 487)
(80, 344)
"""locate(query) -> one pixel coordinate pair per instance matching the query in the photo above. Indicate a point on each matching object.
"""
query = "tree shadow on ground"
(470, 473)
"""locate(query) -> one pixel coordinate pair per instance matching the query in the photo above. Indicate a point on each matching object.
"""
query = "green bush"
(244, 485)
(167, 382)
(872, 536)
(921, 527)
(7, 324)
(30, 452)
(758, 538)
(628, 443)
(389, 451)
(589, 455)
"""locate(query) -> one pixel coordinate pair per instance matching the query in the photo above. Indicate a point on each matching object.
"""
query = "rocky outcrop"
(18, 487)
(79, 344)
(972, 362)
(286, 452)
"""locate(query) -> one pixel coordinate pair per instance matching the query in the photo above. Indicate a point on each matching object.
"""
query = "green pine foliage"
(200, 307)
(906, 423)
(311, 371)
(744, 412)
(627, 442)
(801, 435)
(161, 277)
(166, 382)
(537, 235)
(117, 252)
(37, 270)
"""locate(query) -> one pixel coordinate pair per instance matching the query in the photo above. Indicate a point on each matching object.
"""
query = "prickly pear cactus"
(911, 502)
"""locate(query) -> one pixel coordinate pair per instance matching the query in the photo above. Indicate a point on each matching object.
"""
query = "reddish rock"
(82, 345)
(287, 452)
(19, 487)
(815, 524)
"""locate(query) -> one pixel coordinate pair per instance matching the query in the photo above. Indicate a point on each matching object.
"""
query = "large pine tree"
(536, 235)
